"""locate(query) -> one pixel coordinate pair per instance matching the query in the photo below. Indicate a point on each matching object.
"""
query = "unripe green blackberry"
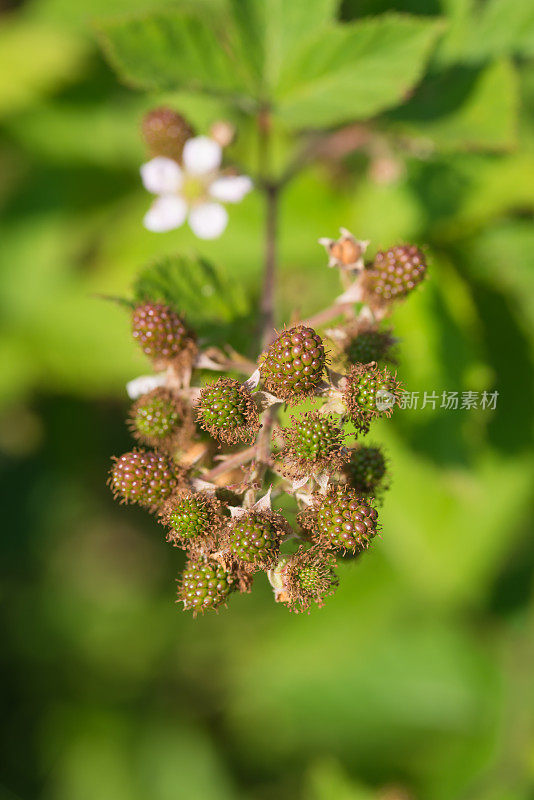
(227, 411)
(293, 366)
(253, 539)
(370, 392)
(192, 519)
(369, 344)
(341, 520)
(163, 335)
(160, 419)
(313, 443)
(366, 471)
(393, 274)
(204, 585)
(165, 132)
(144, 477)
(304, 578)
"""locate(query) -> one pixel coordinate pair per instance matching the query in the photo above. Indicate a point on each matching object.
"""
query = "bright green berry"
(370, 392)
(204, 585)
(160, 419)
(293, 366)
(227, 411)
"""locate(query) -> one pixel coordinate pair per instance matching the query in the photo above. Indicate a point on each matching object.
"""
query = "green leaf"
(462, 110)
(269, 31)
(174, 50)
(355, 71)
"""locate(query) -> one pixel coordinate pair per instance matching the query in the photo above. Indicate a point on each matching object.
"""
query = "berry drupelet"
(226, 410)
(292, 368)
(163, 335)
(144, 477)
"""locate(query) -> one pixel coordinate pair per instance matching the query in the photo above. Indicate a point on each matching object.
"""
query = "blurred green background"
(415, 682)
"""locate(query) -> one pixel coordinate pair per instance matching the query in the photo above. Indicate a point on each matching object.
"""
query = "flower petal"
(208, 220)
(161, 176)
(166, 213)
(201, 154)
(231, 188)
(145, 383)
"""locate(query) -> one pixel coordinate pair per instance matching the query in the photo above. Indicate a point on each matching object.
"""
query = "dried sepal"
(227, 411)
(313, 444)
(161, 419)
(253, 539)
(347, 252)
(305, 578)
(193, 520)
(340, 520)
(292, 367)
(145, 477)
(370, 392)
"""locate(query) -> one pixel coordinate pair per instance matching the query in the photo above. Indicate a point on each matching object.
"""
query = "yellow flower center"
(193, 189)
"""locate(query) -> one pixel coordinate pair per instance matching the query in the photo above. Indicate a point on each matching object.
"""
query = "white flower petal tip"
(161, 176)
(296, 485)
(144, 384)
(201, 155)
(165, 214)
(231, 188)
(253, 381)
(264, 503)
(208, 220)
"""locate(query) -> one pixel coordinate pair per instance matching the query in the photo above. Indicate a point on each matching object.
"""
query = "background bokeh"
(415, 680)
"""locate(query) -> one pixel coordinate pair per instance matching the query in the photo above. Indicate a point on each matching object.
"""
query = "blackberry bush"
(213, 493)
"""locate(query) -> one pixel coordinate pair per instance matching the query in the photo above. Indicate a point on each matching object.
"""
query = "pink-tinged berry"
(160, 419)
(313, 444)
(205, 585)
(163, 335)
(144, 477)
(293, 366)
(306, 577)
(165, 132)
(393, 274)
(226, 410)
(253, 539)
(366, 471)
(370, 392)
(341, 520)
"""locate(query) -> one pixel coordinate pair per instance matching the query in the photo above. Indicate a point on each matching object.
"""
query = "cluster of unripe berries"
(229, 534)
